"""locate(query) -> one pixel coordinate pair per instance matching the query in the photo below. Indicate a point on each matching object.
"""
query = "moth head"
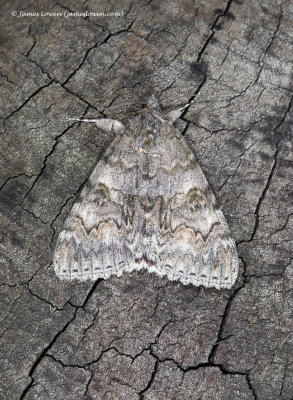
(153, 103)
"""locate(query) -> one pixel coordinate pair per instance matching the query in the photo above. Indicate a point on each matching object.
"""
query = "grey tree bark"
(139, 336)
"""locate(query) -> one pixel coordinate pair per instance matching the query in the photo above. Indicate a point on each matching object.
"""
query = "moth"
(147, 204)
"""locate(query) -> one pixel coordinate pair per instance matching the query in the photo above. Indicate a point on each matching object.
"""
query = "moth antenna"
(127, 104)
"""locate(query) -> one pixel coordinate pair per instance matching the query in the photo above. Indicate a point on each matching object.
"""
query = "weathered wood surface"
(139, 336)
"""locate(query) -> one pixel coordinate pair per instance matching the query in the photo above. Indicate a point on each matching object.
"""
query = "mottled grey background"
(139, 336)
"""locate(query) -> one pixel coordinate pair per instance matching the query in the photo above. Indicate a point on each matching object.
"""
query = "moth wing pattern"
(87, 246)
(148, 205)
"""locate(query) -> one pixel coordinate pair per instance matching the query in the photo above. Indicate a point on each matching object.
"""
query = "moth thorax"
(148, 140)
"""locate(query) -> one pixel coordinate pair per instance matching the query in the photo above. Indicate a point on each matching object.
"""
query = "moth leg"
(106, 124)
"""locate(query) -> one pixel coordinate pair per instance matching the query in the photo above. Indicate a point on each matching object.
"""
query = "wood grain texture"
(139, 336)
